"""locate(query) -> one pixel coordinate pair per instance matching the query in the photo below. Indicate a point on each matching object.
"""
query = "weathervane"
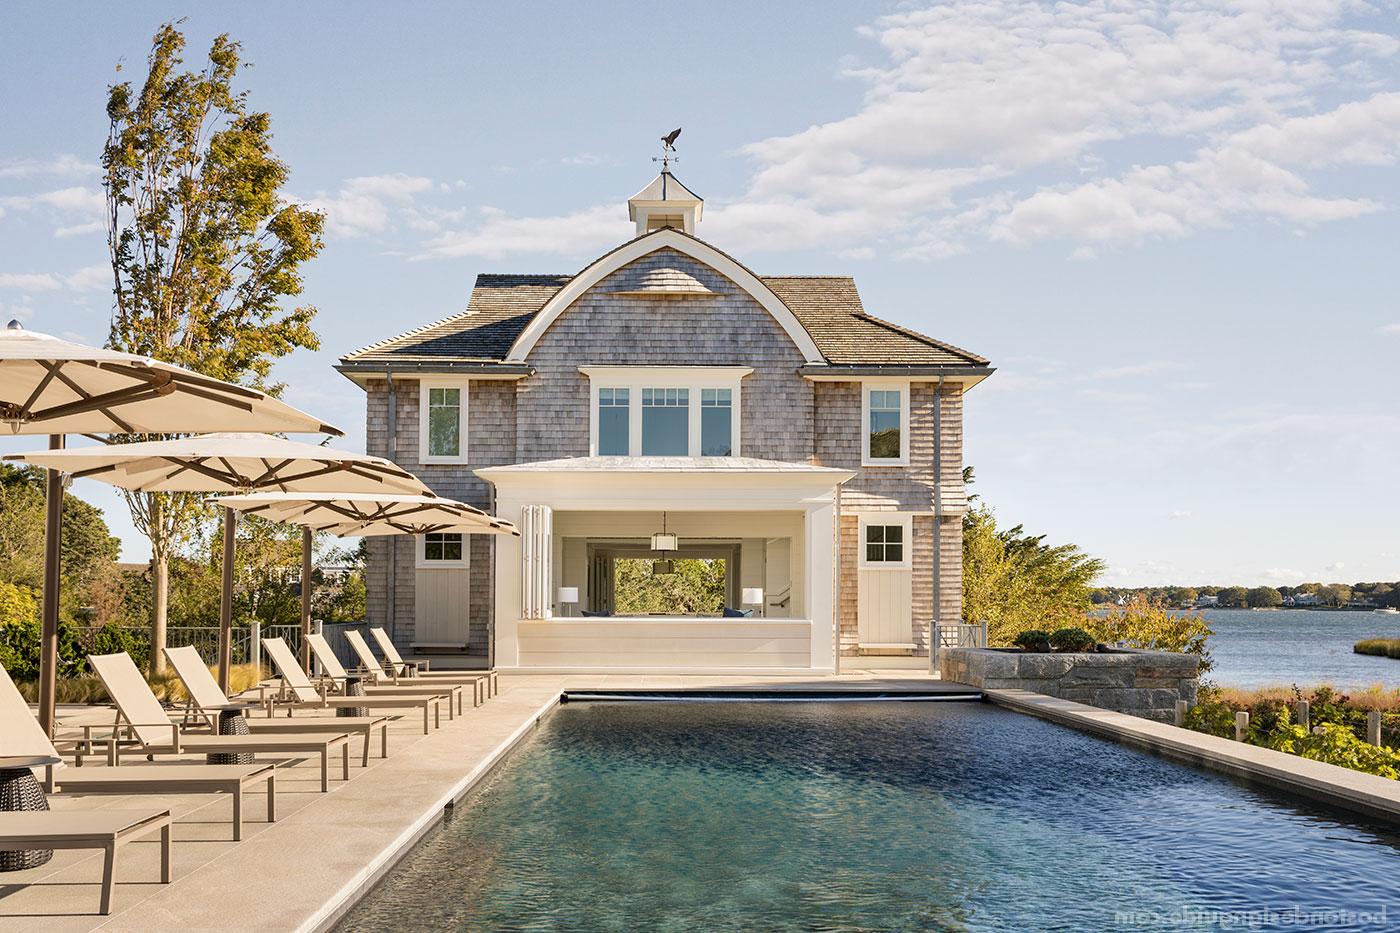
(668, 149)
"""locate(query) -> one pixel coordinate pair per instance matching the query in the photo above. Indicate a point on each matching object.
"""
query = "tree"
(203, 249)
(1335, 594)
(1233, 597)
(88, 551)
(1263, 597)
(1015, 581)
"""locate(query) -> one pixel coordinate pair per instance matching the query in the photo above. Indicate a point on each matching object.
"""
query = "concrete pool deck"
(326, 850)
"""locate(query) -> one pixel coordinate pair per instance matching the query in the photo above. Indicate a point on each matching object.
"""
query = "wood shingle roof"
(829, 307)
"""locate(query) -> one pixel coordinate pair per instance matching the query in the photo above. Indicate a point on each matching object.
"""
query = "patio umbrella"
(239, 463)
(347, 514)
(56, 387)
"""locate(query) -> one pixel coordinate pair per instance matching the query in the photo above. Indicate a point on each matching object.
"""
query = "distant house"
(1207, 602)
(1303, 599)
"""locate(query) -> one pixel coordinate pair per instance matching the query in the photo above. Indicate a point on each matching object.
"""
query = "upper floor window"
(886, 410)
(665, 422)
(716, 422)
(614, 422)
(443, 549)
(443, 428)
(664, 411)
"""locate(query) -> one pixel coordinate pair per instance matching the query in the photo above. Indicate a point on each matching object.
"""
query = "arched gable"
(642, 246)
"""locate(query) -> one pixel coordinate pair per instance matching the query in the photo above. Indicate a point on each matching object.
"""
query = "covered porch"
(742, 579)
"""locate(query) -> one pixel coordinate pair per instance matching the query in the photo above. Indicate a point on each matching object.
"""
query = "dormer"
(665, 203)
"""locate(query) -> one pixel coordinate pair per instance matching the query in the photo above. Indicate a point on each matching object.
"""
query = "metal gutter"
(937, 524)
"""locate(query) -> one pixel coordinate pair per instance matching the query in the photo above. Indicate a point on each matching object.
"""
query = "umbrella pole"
(48, 645)
(226, 603)
(305, 597)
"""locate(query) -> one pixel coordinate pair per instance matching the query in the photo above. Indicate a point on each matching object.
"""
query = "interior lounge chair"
(88, 829)
(25, 745)
(336, 673)
(208, 700)
(419, 667)
(378, 672)
(153, 733)
(296, 690)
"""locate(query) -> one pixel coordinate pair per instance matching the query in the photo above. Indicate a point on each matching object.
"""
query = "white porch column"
(820, 573)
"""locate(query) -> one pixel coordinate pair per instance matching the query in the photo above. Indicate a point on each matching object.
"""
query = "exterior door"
(885, 582)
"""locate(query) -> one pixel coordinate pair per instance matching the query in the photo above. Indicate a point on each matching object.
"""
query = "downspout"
(836, 585)
(937, 526)
(390, 611)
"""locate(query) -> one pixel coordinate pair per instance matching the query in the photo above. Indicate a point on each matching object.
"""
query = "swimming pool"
(861, 816)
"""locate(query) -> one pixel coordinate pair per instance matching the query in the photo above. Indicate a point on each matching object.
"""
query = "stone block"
(1108, 675)
(1044, 665)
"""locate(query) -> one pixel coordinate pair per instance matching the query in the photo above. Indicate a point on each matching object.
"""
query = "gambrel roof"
(828, 308)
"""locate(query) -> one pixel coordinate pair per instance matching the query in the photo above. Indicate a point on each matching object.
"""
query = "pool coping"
(1367, 795)
(363, 882)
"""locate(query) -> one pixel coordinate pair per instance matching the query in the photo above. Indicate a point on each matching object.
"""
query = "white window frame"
(424, 385)
(903, 519)
(420, 546)
(902, 387)
(694, 378)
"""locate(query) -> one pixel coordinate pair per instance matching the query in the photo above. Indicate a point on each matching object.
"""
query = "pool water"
(873, 816)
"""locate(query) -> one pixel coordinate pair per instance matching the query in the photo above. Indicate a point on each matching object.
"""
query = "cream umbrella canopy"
(232, 462)
(57, 387)
(353, 515)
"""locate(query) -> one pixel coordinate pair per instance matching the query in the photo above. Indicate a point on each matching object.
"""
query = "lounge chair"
(377, 671)
(420, 667)
(336, 673)
(88, 829)
(26, 745)
(208, 700)
(153, 733)
(297, 691)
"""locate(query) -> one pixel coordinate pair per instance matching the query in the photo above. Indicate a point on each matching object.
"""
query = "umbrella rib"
(186, 379)
(102, 403)
(50, 370)
(215, 397)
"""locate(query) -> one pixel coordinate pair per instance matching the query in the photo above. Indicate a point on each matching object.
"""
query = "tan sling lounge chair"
(88, 829)
(26, 745)
(206, 697)
(296, 690)
(378, 672)
(154, 734)
(420, 666)
(338, 675)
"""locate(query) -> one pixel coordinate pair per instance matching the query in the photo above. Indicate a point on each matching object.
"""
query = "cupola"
(665, 203)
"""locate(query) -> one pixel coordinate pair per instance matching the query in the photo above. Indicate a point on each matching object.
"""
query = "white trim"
(424, 385)
(636, 378)
(420, 562)
(866, 387)
(651, 242)
(903, 519)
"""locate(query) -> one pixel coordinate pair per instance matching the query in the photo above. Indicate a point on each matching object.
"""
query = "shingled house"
(666, 405)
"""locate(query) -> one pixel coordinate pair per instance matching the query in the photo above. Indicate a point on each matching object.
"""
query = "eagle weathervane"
(668, 149)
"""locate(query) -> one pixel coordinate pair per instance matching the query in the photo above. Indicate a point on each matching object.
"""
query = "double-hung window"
(665, 422)
(886, 418)
(443, 423)
(614, 422)
(664, 411)
(716, 422)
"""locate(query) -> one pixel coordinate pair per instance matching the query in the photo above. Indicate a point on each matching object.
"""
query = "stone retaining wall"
(1141, 683)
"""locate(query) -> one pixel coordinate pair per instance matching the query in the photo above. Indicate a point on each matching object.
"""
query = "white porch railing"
(958, 635)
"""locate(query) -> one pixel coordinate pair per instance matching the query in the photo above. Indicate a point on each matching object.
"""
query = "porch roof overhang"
(678, 483)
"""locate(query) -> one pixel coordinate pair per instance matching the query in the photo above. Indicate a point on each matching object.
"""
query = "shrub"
(115, 639)
(18, 604)
(1338, 745)
(1072, 639)
(1031, 638)
(19, 649)
(1213, 717)
(1144, 623)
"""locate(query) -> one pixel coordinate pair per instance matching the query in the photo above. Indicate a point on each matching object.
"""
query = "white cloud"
(368, 204)
(1389, 330)
(1179, 515)
(85, 279)
(497, 234)
(62, 165)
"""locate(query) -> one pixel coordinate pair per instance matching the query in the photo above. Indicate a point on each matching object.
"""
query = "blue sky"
(1172, 228)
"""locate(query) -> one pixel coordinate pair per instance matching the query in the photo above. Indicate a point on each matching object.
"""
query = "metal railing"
(958, 635)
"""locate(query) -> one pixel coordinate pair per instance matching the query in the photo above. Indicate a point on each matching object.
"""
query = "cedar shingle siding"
(542, 412)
